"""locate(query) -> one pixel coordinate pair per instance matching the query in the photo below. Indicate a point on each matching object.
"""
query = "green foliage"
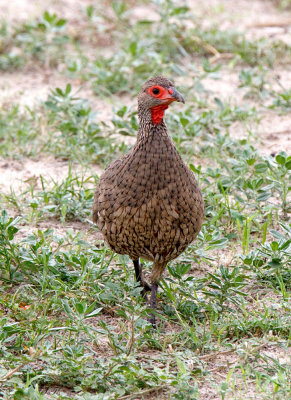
(41, 40)
(74, 133)
(68, 200)
(9, 256)
(255, 79)
(17, 131)
(283, 100)
(67, 128)
(272, 261)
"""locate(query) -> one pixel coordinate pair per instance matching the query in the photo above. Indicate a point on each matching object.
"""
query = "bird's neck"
(151, 122)
(158, 113)
(150, 130)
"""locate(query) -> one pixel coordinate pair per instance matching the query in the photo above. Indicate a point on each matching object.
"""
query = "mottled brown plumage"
(147, 203)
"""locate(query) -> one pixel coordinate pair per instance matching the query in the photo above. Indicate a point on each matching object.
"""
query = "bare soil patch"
(15, 174)
(257, 18)
(23, 10)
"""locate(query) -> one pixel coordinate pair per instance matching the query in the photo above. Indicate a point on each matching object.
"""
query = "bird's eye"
(156, 90)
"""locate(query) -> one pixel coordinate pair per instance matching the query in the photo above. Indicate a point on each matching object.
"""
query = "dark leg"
(153, 303)
(139, 275)
(137, 270)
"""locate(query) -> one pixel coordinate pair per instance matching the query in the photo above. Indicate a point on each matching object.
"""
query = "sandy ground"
(257, 18)
(23, 10)
(16, 174)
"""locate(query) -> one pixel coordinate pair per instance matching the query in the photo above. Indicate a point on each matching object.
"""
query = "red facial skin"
(166, 96)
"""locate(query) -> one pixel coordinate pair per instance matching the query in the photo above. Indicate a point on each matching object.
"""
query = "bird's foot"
(153, 304)
(145, 288)
(144, 284)
(140, 278)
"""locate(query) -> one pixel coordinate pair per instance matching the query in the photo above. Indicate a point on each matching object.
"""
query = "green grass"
(68, 200)
(64, 125)
(73, 323)
(42, 40)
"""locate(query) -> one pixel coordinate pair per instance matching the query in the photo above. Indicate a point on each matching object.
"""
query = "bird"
(147, 203)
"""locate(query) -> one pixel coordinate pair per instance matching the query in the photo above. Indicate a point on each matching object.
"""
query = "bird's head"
(155, 96)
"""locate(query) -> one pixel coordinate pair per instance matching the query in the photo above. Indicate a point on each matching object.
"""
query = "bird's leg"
(137, 270)
(153, 303)
(139, 277)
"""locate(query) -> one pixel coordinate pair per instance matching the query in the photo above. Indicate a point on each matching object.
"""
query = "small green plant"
(272, 260)
(125, 121)
(9, 256)
(282, 100)
(74, 131)
(255, 79)
(225, 286)
(68, 200)
(42, 40)
(18, 131)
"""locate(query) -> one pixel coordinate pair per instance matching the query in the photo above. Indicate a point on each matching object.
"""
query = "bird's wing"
(95, 206)
(105, 180)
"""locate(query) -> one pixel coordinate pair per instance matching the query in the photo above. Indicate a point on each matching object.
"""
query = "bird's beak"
(175, 95)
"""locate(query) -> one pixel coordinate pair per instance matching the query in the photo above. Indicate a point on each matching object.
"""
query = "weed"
(69, 129)
(225, 286)
(18, 132)
(282, 100)
(69, 200)
(73, 130)
(272, 261)
(9, 256)
(43, 40)
(256, 80)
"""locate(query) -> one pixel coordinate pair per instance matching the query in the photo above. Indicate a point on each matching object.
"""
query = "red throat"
(158, 113)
